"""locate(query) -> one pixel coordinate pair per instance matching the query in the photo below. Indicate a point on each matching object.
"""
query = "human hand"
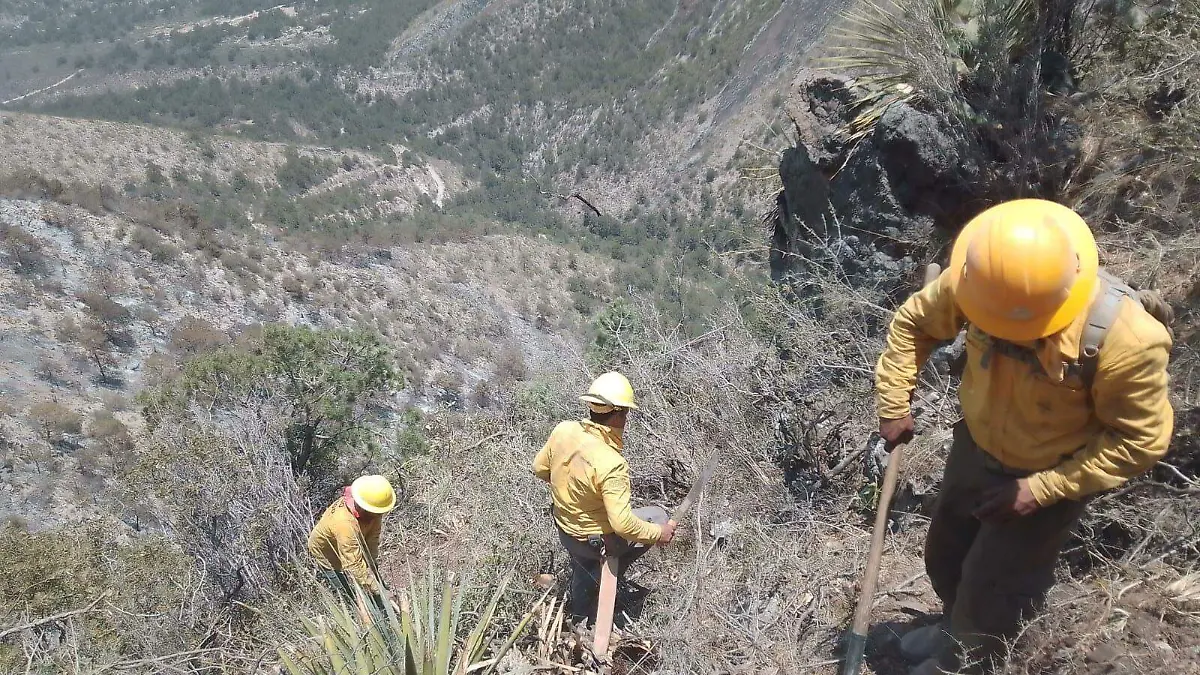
(1013, 498)
(896, 431)
(668, 533)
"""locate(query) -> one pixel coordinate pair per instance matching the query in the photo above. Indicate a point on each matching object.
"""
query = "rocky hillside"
(179, 174)
(120, 155)
(102, 304)
(557, 99)
(409, 232)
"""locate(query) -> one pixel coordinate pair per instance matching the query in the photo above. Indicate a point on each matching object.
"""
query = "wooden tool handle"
(862, 613)
(606, 606)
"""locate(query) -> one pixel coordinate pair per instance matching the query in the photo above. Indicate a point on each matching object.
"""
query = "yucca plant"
(417, 635)
(902, 50)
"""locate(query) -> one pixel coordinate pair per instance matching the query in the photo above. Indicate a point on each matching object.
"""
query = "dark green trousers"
(990, 576)
(586, 560)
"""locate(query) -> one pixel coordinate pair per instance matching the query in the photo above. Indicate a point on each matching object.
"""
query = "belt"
(596, 541)
(996, 466)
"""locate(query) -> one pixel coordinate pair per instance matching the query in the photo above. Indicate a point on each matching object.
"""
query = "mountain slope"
(103, 305)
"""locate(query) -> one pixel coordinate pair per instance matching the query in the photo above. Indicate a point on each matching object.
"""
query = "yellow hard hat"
(609, 391)
(1024, 269)
(373, 493)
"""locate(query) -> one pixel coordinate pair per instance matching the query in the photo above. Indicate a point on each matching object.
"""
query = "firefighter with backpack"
(1063, 394)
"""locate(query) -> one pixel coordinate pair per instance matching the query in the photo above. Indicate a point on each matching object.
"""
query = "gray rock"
(914, 172)
(861, 193)
(829, 99)
(806, 189)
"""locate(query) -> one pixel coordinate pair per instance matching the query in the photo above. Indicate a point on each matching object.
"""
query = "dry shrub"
(110, 433)
(1130, 621)
(448, 385)
(124, 588)
(230, 496)
(105, 309)
(66, 330)
(764, 573)
(160, 249)
(295, 286)
(34, 186)
(26, 253)
(1143, 160)
(60, 216)
(754, 579)
(193, 335)
(510, 364)
(51, 370)
(56, 421)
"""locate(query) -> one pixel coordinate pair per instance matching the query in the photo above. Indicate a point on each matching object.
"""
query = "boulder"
(915, 173)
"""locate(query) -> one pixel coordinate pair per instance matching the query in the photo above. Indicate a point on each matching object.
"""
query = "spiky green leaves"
(946, 52)
(416, 635)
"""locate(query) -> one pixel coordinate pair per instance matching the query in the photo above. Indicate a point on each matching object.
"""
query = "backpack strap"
(1101, 316)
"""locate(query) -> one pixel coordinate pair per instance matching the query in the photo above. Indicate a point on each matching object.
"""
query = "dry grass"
(756, 581)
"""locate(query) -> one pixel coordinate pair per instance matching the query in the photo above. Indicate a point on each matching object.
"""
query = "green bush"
(612, 334)
(416, 636)
(411, 439)
(326, 383)
(298, 173)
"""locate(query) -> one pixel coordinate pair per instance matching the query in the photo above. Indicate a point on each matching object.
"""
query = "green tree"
(328, 384)
(613, 333)
(328, 378)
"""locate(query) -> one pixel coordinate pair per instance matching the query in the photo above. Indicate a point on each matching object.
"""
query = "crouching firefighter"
(1064, 395)
(589, 484)
(345, 542)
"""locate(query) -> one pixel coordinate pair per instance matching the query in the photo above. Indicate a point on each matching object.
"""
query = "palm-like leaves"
(927, 48)
(893, 47)
(416, 636)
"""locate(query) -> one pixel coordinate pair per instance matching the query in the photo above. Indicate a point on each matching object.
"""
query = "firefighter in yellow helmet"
(1063, 393)
(589, 485)
(345, 542)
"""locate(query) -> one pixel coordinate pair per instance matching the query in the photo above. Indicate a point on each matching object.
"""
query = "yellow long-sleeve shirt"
(1037, 419)
(338, 540)
(589, 482)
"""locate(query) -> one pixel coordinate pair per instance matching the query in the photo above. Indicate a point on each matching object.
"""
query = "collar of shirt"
(612, 437)
(1056, 351)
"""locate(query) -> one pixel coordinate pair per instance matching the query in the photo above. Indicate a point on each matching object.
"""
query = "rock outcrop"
(866, 207)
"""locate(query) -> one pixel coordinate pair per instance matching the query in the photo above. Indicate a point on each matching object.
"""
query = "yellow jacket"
(337, 541)
(1035, 418)
(589, 481)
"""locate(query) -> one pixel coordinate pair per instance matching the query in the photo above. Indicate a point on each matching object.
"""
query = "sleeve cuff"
(890, 410)
(1042, 484)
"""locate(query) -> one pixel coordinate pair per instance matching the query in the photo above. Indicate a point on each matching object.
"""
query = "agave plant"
(902, 50)
(416, 635)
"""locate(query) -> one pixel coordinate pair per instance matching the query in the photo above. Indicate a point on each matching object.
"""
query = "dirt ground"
(1083, 633)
